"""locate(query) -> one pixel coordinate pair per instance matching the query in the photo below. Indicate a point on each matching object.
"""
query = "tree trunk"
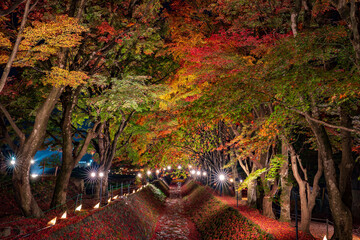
(251, 193)
(27, 151)
(267, 207)
(23, 195)
(307, 197)
(61, 186)
(341, 213)
(305, 211)
(285, 186)
(71, 155)
(349, 11)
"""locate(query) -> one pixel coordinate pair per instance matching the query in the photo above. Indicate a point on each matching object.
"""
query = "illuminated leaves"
(64, 31)
(43, 39)
(61, 77)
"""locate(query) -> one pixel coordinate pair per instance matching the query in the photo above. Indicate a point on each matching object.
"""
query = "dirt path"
(173, 224)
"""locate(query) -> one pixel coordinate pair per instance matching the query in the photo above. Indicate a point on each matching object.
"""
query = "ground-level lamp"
(97, 205)
(64, 215)
(52, 222)
(78, 208)
(34, 175)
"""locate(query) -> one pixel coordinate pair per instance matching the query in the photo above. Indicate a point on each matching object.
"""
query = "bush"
(132, 218)
(216, 220)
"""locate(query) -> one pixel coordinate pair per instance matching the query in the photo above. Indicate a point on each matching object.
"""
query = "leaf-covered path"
(173, 224)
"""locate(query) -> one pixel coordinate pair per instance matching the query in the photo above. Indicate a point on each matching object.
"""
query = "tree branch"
(13, 124)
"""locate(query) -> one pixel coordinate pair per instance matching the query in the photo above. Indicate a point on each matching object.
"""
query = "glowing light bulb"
(12, 162)
(198, 173)
(204, 173)
(32, 161)
(179, 167)
(148, 172)
(231, 180)
(168, 167)
(34, 175)
(101, 174)
(139, 175)
(157, 171)
(222, 177)
(97, 206)
(93, 174)
(193, 172)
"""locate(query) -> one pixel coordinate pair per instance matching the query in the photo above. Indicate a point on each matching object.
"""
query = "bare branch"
(13, 124)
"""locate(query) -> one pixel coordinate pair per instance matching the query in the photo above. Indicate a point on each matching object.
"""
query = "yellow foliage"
(63, 32)
(61, 77)
(4, 42)
(43, 39)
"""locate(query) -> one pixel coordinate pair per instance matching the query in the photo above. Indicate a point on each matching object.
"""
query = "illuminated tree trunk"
(251, 193)
(285, 186)
(72, 151)
(28, 147)
(307, 196)
(106, 147)
(341, 213)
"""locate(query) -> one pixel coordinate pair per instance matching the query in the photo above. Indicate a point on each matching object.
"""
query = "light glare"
(221, 177)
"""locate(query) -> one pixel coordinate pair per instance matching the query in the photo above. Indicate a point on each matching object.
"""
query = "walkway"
(173, 224)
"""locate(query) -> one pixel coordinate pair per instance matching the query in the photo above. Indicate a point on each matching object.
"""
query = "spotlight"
(221, 177)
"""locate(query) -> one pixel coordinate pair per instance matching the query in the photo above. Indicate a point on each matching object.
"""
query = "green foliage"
(275, 164)
(252, 176)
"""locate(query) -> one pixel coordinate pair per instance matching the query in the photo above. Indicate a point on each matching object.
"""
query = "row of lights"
(13, 161)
